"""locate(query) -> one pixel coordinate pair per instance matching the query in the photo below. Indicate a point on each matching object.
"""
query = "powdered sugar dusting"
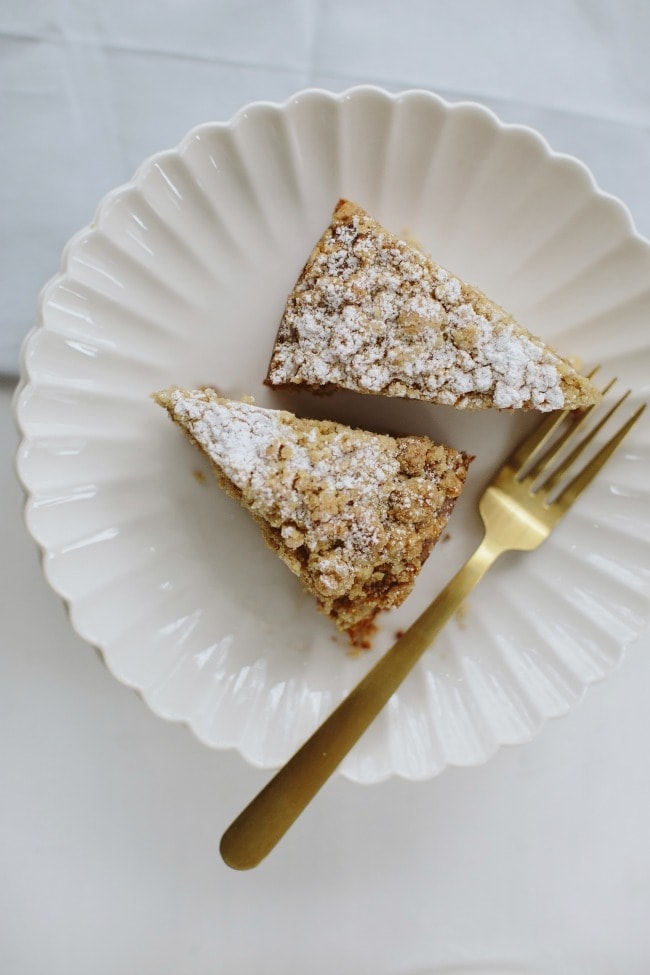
(371, 312)
(239, 437)
(348, 504)
(269, 455)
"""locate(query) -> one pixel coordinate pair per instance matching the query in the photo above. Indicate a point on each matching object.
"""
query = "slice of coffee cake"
(373, 314)
(352, 513)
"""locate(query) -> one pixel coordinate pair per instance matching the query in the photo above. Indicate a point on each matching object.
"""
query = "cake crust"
(352, 513)
(374, 314)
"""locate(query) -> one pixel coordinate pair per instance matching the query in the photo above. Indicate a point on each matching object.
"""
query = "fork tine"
(578, 421)
(537, 440)
(568, 462)
(587, 474)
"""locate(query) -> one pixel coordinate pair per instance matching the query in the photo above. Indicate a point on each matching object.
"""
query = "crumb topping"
(371, 312)
(354, 513)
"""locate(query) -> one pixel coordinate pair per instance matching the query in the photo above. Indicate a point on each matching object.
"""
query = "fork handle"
(266, 819)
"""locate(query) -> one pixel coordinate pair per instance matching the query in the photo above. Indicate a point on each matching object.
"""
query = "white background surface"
(110, 818)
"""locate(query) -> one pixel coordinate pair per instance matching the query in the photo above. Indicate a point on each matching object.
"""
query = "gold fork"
(527, 498)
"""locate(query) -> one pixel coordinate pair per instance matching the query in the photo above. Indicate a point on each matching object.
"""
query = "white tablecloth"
(110, 818)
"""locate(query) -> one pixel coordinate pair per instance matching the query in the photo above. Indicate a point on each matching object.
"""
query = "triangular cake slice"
(373, 314)
(354, 514)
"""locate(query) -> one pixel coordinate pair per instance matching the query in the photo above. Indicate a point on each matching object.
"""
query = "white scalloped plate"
(182, 278)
